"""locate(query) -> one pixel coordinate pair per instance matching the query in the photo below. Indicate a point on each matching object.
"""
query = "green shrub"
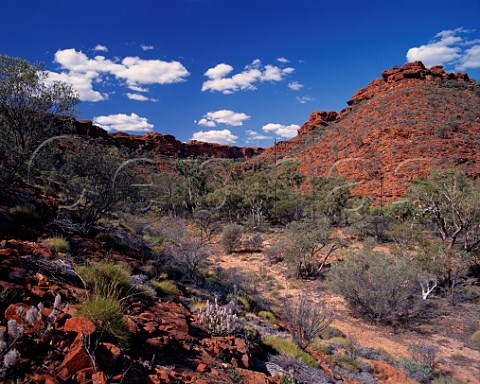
(381, 286)
(59, 244)
(107, 314)
(289, 348)
(166, 288)
(269, 316)
(319, 346)
(107, 280)
(475, 338)
(231, 236)
(27, 216)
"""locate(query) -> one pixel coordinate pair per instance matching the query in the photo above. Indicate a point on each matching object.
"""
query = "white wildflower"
(15, 331)
(10, 359)
(31, 315)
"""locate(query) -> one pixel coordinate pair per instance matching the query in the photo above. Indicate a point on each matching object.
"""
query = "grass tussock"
(289, 348)
(107, 280)
(59, 244)
(107, 314)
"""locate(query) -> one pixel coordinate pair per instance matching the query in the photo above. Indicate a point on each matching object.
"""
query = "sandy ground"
(453, 355)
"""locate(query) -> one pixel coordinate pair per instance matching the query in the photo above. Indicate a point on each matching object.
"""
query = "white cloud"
(295, 86)
(147, 47)
(287, 131)
(82, 82)
(123, 123)
(304, 99)
(283, 60)
(100, 47)
(254, 135)
(224, 116)
(82, 71)
(136, 88)
(246, 80)
(221, 137)
(448, 48)
(139, 97)
(471, 58)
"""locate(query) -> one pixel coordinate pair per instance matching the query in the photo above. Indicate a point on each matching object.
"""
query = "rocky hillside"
(395, 129)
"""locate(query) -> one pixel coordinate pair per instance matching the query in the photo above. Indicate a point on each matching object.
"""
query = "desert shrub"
(206, 223)
(254, 242)
(107, 314)
(189, 254)
(419, 372)
(107, 280)
(475, 338)
(26, 215)
(59, 244)
(166, 288)
(231, 237)
(219, 319)
(330, 332)
(289, 348)
(380, 286)
(306, 320)
(275, 252)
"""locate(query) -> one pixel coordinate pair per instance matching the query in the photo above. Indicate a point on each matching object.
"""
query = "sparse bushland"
(382, 287)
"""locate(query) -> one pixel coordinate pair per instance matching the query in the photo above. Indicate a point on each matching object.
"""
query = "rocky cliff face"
(395, 129)
(166, 145)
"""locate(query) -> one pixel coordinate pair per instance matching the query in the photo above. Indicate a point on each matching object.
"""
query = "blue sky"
(232, 71)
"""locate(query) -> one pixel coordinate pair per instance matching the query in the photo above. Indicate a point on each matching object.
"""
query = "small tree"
(448, 204)
(306, 320)
(310, 247)
(231, 237)
(29, 111)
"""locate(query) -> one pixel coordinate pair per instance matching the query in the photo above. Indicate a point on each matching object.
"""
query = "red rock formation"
(395, 129)
(166, 145)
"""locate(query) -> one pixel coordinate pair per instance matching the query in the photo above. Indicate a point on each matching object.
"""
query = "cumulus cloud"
(283, 60)
(82, 82)
(295, 86)
(123, 123)
(287, 131)
(304, 99)
(448, 47)
(139, 97)
(147, 47)
(254, 135)
(224, 116)
(100, 47)
(221, 136)
(79, 69)
(248, 79)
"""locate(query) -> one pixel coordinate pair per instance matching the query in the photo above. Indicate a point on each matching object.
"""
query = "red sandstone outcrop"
(166, 145)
